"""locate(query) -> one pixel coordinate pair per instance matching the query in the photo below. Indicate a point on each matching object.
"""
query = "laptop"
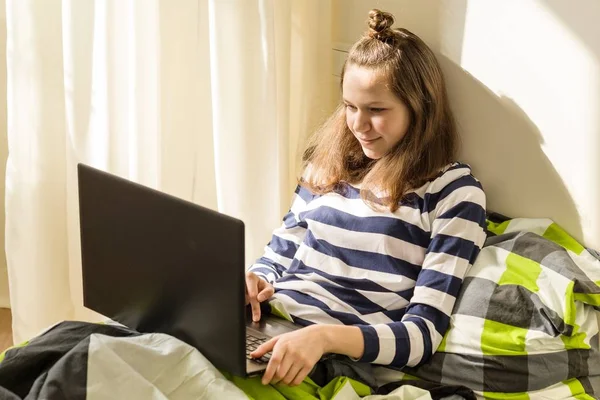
(156, 263)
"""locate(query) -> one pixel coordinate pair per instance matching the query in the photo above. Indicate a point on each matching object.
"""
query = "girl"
(384, 225)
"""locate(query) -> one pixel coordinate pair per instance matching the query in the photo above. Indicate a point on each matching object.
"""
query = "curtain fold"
(209, 100)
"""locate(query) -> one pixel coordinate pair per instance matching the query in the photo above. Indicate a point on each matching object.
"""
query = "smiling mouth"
(368, 141)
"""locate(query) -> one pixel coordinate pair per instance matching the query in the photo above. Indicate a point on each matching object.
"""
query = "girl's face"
(376, 117)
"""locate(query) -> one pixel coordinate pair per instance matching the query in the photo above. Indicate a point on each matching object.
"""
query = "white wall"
(524, 81)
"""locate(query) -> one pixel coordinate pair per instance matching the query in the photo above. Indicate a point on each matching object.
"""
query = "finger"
(284, 367)
(272, 367)
(264, 348)
(266, 293)
(255, 304)
(292, 373)
(303, 373)
(252, 289)
(251, 285)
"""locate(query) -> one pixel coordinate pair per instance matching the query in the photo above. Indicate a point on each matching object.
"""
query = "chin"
(373, 155)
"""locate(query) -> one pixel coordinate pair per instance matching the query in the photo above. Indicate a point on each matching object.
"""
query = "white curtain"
(209, 100)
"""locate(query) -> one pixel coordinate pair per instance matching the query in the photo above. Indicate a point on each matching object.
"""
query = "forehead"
(361, 81)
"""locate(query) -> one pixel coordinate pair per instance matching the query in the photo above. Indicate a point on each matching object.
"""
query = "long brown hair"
(413, 74)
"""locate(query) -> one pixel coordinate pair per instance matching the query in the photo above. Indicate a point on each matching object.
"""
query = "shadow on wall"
(504, 147)
(584, 24)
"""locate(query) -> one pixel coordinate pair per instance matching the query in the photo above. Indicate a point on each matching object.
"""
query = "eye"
(350, 106)
(377, 110)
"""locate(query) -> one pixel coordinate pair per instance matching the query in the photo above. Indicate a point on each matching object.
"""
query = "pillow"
(527, 314)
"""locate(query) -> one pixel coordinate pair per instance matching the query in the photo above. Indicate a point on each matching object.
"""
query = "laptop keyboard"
(252, 343)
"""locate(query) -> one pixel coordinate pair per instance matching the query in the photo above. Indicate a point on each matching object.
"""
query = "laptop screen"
(157, 263)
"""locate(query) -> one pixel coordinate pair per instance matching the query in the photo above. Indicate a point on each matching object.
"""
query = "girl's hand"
(294, 355)
(257, 291)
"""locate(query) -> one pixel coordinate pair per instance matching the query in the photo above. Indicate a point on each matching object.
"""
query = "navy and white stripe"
(395, 275)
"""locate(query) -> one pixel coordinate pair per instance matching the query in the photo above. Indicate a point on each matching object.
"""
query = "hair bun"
(380, 24)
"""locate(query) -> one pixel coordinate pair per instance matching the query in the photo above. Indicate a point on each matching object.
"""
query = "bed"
(525, 326)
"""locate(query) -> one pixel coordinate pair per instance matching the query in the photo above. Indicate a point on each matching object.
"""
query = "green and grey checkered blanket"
(526, 319)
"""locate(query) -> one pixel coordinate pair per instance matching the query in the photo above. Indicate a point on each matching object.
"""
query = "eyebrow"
(368, 104)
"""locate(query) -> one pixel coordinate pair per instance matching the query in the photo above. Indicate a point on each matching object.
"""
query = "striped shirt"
(395, 275)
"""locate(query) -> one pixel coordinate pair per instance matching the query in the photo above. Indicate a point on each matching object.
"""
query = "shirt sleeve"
(285, 241)
(457, 215)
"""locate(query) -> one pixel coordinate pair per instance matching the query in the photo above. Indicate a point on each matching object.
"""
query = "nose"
(361, 122)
